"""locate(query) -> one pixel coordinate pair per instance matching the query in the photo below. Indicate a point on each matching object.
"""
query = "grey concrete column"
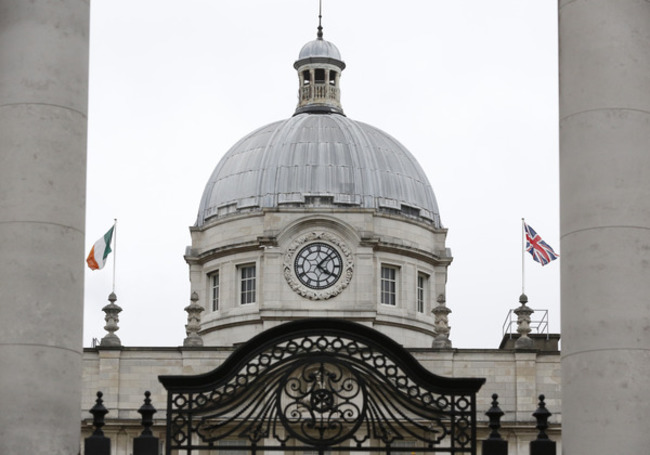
(43, 107)
(605, 224)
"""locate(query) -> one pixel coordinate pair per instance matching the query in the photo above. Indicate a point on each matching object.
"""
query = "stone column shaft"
(43, 121)
(605, 224)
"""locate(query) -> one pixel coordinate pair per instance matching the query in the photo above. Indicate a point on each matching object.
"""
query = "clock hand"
(324, 270)
(327, 258)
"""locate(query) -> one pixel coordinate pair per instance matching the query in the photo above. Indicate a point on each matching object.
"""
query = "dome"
(319, 160)
(319, 48)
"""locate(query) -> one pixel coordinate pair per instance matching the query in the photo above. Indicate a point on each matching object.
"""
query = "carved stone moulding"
(318, 294)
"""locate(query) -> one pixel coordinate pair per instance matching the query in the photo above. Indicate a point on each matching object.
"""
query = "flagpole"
(114, 251)
(523, 247)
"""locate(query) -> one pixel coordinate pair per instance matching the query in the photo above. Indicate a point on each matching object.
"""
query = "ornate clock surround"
(318, 237)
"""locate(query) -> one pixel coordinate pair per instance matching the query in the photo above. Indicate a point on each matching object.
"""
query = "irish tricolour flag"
(100, 251)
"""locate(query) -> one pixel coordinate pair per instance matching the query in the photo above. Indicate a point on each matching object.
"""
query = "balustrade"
(316, 92)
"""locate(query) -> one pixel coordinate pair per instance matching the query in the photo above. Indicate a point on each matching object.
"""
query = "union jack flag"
(538, 248)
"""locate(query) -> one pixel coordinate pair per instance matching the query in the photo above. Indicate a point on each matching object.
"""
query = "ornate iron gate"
(321, 385)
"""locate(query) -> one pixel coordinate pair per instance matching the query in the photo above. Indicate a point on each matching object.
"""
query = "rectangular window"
(421, 291)
(226, 446)
(214, 285)
(247, 279)
(388, 285)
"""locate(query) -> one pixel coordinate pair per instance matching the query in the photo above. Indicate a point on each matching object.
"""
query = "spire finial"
(319, 35)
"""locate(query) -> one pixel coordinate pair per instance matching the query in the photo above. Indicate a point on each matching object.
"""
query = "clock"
(318, 265)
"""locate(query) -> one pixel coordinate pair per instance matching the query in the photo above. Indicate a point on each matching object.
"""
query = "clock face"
(318, 265)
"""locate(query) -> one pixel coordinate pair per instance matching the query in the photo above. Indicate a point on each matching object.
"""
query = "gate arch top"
(322, 383)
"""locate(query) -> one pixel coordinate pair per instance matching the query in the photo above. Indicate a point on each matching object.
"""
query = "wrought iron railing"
(322, 384)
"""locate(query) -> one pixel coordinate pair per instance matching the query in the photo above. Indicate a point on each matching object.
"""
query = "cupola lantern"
(319, 67)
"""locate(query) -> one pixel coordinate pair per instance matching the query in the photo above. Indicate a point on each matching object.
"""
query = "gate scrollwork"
(322, 404)
(322, 383)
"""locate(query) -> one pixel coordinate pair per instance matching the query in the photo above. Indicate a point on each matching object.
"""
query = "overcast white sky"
(468, 86)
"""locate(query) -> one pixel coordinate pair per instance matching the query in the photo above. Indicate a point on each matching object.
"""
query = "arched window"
(319, 74)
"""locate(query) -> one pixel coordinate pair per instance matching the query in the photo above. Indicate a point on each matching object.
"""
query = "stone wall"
(518, 377)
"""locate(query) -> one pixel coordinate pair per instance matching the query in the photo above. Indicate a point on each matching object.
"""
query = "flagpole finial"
(319, 35)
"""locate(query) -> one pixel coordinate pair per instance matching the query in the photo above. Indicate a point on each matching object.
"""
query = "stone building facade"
(518, 377)
(321, 216)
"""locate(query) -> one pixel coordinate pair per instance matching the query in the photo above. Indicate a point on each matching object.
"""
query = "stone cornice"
(434, 258)
(215, 253)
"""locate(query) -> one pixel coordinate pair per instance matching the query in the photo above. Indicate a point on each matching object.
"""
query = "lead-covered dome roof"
(319, 48)
(314, 160)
